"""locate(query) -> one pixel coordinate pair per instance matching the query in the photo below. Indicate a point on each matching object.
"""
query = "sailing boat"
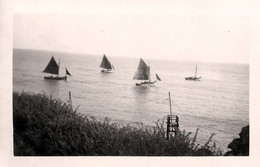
(194, 78)
(106, 65)
(53, 68)
(143, 73)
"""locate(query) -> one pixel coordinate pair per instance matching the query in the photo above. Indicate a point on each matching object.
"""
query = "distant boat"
(54, 68)
(143, 73)
(194, 78)
(106, 65)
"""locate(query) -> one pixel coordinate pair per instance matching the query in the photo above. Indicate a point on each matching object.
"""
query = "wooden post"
(176, 125)
(172, 121)
(168, 126)
(70, 101)
(168, 117)
(177, 121)
(170, 103)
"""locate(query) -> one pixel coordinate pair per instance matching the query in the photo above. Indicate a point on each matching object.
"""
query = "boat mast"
(149, 76)
(59, 67)
(196, 71)
(170, 103)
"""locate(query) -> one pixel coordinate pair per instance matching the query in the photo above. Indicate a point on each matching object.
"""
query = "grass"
(44, 126)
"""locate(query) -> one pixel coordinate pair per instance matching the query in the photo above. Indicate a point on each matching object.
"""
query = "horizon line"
(152, 58)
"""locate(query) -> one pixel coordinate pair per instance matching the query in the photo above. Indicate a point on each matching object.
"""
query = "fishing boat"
(194, 78)
(106, 65)
(143, 73)
(54, 68)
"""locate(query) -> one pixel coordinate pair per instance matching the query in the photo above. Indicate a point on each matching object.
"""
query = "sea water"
(218, 104)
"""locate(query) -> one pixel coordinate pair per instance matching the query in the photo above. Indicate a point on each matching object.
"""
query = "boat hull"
(107, 71)
(193, 78)
(55, 78)
(146, 84)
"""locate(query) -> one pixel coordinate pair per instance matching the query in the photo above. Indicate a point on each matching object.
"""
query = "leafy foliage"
(45, 126)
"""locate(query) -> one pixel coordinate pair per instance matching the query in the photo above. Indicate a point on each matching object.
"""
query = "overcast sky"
(180, 30)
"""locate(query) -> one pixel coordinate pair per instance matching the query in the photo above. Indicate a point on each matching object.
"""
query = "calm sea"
(219, 103)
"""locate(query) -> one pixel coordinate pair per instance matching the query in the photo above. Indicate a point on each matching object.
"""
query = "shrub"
(46, 126)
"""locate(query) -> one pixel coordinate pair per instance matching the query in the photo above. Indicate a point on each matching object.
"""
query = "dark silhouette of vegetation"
(240, 146)
(44, 126)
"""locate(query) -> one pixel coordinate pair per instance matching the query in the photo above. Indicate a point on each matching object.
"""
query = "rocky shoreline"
(240, 146)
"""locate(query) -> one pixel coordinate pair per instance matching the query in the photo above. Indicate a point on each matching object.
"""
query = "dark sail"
(67, 72)
(158, 78)
(52, 67)
(142, 72)
(106, 64)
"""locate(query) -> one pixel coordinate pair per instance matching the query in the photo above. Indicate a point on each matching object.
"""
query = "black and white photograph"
(131, 79)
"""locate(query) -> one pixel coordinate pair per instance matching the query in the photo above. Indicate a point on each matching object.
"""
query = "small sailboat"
(143, 73)
(106, 65)
(194, 78)
(54, 68)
